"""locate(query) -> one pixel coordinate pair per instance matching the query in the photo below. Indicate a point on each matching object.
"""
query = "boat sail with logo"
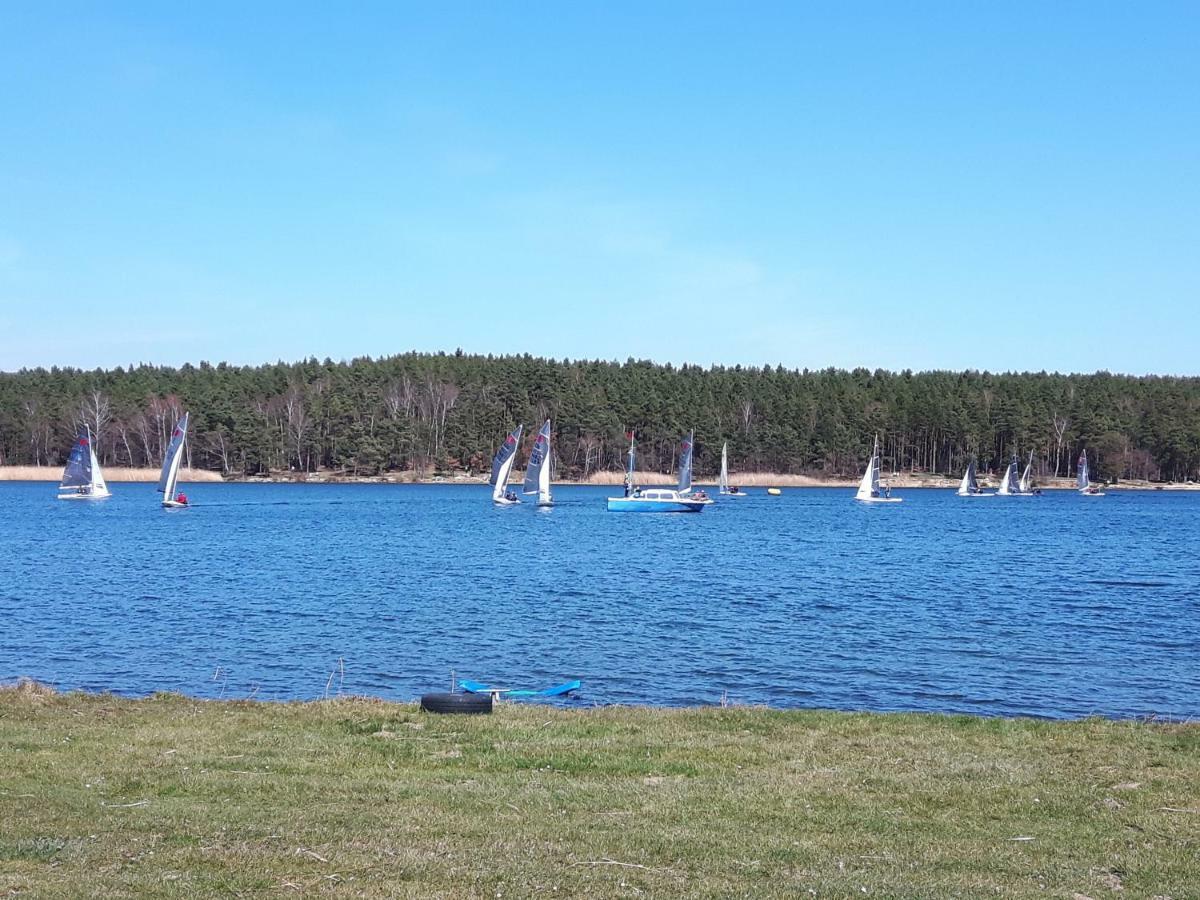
(169, 477)
(502, 464)
(537, 473)
(82, 478)
(681, 499)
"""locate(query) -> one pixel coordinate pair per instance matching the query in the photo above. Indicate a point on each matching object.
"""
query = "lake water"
(1057, 606)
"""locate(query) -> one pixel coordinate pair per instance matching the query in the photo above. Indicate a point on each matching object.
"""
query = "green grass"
(171, 796)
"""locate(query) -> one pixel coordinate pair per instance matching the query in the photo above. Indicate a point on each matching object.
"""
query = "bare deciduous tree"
(1060, 429)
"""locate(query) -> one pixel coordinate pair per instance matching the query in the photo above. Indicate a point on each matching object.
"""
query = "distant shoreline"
(900, 481)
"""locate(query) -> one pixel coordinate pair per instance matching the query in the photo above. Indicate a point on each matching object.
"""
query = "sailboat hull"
(879, 499)
(91, 495)
(645, 504)
(174, 504)
(503, 502)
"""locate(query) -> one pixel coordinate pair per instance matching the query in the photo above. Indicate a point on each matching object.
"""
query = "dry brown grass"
(27, 691)
(114, 473)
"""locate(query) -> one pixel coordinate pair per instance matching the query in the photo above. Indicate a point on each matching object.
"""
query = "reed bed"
(114, 473)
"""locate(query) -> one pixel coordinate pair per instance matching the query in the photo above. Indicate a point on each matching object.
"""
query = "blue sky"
(930, 185)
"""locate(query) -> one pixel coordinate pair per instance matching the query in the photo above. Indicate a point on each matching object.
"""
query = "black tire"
(463, 704)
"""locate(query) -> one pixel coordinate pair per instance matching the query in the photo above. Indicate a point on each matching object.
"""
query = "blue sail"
(505, 453)
(78, 472)
(685, 464)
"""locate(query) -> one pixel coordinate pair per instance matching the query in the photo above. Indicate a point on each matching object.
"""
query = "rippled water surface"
(1051, 606)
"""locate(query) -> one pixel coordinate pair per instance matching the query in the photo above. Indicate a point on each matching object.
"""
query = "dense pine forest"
(448, 412)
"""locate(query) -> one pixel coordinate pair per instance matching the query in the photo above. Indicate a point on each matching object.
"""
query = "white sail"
(82, 478)
(502, 464)
(537, 472)
(1082, 482)
(544, 498)
(1026, 484)
(724, 485)
(502, 478)
(969, 485)
(99, 488)
(869, 486)
(173, 458)
(1011, 483)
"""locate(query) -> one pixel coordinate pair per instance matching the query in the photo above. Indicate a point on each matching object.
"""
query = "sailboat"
(724, 489)
(970, 485)
(661, 499)
(1010, 484)
(502, 464)
(1026, 482)
(537, 473)
(82, 478)
(869, 490)
(170, 467)
(1086, 488)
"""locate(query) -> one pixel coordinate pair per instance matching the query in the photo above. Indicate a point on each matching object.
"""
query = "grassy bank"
(178, 797)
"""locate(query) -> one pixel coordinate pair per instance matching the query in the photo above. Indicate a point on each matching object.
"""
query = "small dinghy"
(1082, 482)
(970, 485)
(1011, 483)
(82, 478)
(724, 489)
(502, 464)
(170, 468)
(537, 473)
(869, 490)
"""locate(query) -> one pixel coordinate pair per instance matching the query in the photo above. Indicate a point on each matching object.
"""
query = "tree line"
(448, 412)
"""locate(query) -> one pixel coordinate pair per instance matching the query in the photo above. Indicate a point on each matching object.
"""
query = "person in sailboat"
(181, 497)
(510, 496)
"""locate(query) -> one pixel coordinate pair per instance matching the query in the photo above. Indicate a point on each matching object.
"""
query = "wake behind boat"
(169, 478)
(682, 499)
(869, 490)
(502, 464)
(82, 478)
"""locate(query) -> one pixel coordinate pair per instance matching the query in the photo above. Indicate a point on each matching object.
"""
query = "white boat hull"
(879, 499)
(91, 495)
(174, 504)
(643, 504)
(981, 494)
(503, 502)
(734, 496)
